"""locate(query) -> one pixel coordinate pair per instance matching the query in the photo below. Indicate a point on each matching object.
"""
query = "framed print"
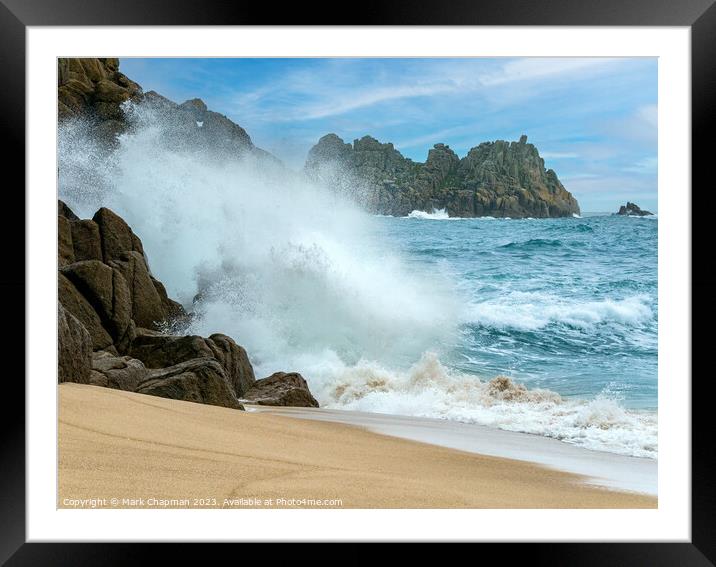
(425, 276)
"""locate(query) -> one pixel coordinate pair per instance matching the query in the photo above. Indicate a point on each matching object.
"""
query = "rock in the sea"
(501, 179)
(74, 348)
(632, 210)
(200, 380)
(160, 351)
(118, 372)
(281, 389)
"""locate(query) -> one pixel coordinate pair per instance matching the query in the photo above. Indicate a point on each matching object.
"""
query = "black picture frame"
(17, 15)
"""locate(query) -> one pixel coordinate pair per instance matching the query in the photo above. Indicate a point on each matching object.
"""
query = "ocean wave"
(429, 389)
(529, 311)
(645, 217)
(533, 244)
(437, 214)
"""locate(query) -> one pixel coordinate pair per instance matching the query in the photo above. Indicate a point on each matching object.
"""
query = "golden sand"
(120, 449)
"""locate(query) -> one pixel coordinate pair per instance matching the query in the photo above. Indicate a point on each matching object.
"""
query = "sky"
(593, 120)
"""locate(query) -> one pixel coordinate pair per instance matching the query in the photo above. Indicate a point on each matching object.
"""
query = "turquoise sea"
(564, 304)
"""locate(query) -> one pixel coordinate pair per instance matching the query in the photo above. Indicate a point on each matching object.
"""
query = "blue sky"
(593, 120)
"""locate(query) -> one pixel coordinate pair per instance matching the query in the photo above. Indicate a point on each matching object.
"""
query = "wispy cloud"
(313, 96)
(530, 69)
(559, 155)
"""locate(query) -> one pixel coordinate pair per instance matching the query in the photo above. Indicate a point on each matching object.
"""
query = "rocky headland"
(632, 210)
(499, 179)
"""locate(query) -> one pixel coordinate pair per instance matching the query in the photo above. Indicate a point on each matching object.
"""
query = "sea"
(543, 326)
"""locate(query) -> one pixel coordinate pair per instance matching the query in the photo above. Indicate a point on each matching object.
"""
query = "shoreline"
(600, 468)
(131, 447)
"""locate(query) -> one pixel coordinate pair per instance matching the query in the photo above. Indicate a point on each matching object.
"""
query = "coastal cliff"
(500, 179)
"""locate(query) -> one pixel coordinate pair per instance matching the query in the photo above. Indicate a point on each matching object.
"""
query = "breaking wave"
(529, 311)
(437, 214)
(429, 389)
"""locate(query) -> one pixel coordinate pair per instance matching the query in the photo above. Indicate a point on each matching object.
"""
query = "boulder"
(64, 211)
(74, 348)
(65, 250)
(110, 92)
(148, 306)
(159, 351)
(118, 372)
(235, 361)
(106, 290)
(86, 240)
(76, 304)
(200, 380)
(281, 389)
(115, 235)
(173, 310)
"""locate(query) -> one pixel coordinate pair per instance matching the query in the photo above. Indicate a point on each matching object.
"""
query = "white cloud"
(318, 94)
(540, 68)
(644, 165)
(370, 97)
(640, 126)
(558, 155)
(649, 114)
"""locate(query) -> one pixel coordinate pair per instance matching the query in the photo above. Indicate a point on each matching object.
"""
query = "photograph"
(357, 282)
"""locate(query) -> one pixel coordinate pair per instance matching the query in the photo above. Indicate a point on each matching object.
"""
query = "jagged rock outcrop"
(632, 210)
(93, 88)
(281, 389)
(107, 292)
(111, 313)
(501, 179)
(74, 349)
(76, 304)
(105, 280)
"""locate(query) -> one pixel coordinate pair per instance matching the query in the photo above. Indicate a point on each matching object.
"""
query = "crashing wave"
(437, 214)
(429, 389)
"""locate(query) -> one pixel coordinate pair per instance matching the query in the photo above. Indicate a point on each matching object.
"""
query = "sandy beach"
(598, 468)
(127, 450)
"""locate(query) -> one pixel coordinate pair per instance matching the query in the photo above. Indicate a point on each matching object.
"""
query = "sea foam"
(437, 214)
(429, 389)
